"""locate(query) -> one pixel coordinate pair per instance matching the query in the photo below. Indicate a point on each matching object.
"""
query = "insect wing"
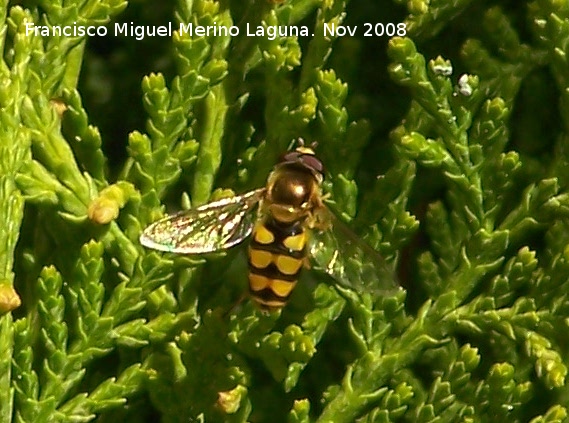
(349, 260)
(212, 227)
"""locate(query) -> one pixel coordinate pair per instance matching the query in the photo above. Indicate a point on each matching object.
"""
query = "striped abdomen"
(276, 254)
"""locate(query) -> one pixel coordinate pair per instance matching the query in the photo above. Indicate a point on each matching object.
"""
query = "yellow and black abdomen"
(276, 255)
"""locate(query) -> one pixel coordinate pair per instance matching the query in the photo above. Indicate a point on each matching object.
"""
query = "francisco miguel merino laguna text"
(142, 31)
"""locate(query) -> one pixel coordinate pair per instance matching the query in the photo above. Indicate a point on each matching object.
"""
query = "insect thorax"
(292, 193)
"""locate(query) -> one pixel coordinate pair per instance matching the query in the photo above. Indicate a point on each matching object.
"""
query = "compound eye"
(313, 163)
(290, 157)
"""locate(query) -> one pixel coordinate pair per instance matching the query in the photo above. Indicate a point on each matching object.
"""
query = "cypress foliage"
(444, 129)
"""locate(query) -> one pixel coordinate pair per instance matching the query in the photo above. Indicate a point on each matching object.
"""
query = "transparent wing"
(349, 260)
(212, 227)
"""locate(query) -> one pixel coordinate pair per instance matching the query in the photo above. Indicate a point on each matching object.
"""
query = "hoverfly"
(280, 218)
